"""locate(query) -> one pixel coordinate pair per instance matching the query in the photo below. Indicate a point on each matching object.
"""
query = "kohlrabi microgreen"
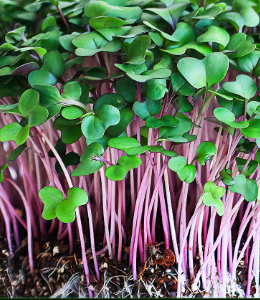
(143, 107)
(212, 195)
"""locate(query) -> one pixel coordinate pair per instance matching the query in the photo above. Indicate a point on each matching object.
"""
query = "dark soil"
(60, 275)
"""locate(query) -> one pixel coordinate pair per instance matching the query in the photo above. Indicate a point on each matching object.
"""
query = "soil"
(60, 275)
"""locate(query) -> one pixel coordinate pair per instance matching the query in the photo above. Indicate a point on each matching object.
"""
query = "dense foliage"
(160, 97)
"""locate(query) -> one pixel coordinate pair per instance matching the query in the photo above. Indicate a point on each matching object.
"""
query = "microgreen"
(246, 187)
(160, 97)
(212, 195)
(185, 172)
(55, 205)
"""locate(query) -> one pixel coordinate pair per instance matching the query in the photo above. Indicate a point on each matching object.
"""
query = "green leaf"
(209, 200)
(246, 187)
(244, 86)
(129, 162)
(28, 102)
(65, 210)
(156, 89)
(38, 116)
(2, 177)
(141, 110)
(239, 46)
(171, 13)
(50, 197)
(250, 16)
(72, 90)
(187, 173)
(126, 116)
(109, 99)
(144, 75)
(234, 18)
(212, 195)
(88, 44)
(123, 143)
(22, 135)
(227, 117)
(116, 173)
(49, 98)
(71, 112)
(15, 35)
(41, 76)
(193, 70)
(248, 62)
(212, 69)
(17, 151)
(53, 62)
(201, 48)
(14, 132)
(9, 132)
(137, 50)
(215, 34)
(109, 115)
(89, 160)
(177, 163)
(92, 127)
(100, 8)
(250, 169)
(70, 129)
(205, 151)
(167, 121)
(184, 105)
(48, 24)
(216, 66)
(253, 130)
(126, 88)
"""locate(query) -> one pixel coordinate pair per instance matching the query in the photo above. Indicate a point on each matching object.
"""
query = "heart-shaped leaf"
(201, 48)
(89, 160)
(227, 117)
(253, 130)
(50, 197)
(211, 70)
(70, 129)
(187, 173)
(239, 46)
(137, 50)
(124, 164)
(244, 86)
(28, 102)
(205, 151)
(65, 210)
(142, 74)
(100, 8)
(212, 195)
(123, 143)
(250, 169)
(14, 132)
(71, 113)
(109, 99)
(177, 163)
(156, 89)
(72, 90)
(126, 116)
(215, 34)
(246, 187)
(167, 121)
(126, 88)
(50, 98)
(116, 173)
